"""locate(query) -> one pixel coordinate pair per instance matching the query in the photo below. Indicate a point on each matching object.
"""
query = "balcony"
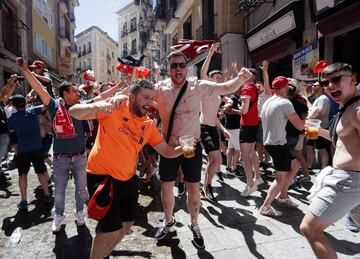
(160, 17)
(183, 6)
(65, 37)
(71, 17)
(203, 33)
(63, 6)
(73, 50)
(133, 51)
(11, 40)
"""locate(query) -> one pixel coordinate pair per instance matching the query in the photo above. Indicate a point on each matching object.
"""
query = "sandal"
(269, 211)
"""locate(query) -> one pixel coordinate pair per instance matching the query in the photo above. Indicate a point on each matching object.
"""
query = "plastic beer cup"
(312, 128)
(187, 144)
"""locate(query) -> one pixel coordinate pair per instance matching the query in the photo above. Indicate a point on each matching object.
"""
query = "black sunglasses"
(334, 80)
(175, 65)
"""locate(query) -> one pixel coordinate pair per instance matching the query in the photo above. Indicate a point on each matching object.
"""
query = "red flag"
(192, 48)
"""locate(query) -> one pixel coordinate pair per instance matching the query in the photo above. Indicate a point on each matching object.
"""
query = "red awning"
(271, 51)
(339, 20)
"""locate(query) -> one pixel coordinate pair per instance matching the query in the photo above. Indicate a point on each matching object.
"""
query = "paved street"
(233, 227)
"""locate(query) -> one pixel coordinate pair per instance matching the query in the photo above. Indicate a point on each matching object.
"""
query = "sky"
(101, 13)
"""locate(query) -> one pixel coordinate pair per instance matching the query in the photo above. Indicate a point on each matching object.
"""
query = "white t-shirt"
(274, 114)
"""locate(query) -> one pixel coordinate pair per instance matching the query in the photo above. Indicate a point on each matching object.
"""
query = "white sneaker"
(56, 225)
(259, 181)
(247, 191)
(80, 219)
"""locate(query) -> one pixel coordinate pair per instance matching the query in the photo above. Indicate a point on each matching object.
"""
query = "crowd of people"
(240, 121)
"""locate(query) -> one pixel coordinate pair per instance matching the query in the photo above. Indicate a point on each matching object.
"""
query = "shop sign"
(274, 30)
(303, 62)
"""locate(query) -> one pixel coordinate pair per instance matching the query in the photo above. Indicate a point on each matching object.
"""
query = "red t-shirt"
(251, 117)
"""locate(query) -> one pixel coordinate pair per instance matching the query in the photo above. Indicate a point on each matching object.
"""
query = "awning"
(284, 23)
(340, 19)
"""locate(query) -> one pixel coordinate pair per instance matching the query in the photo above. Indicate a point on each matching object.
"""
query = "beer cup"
(187, 144)
(312, 128)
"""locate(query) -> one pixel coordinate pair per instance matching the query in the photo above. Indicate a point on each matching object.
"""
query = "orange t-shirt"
(121, 135)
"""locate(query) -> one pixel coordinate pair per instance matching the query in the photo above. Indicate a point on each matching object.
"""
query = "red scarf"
(63, 125)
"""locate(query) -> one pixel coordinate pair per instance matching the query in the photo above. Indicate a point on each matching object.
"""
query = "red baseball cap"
(280, 82)
(37, 63)
(101, 201)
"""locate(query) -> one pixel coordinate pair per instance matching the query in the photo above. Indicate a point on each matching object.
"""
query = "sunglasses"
(175, 65)
(334, 80)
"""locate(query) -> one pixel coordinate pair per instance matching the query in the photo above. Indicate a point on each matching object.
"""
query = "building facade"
(200, 20)
(97, 51)
(67, 47)
(129, 34)
(13, 37)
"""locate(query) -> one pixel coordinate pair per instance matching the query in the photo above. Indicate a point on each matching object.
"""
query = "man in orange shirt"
(121, 135)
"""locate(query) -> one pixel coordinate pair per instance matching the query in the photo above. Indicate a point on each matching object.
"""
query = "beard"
(138, 110)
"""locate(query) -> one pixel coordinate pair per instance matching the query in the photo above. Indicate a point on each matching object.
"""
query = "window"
(112, 54)
(125, 49)
(124, 30)
(133, 24)
(79, 51)
(133, 47)
(89, 47)
(43, 48)
(44, 10)
(187, 34)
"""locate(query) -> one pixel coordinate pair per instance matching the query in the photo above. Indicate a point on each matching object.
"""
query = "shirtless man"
(186, 122)
(209, 122)
(341, 187)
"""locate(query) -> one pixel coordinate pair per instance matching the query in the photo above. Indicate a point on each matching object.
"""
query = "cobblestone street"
(232, 227)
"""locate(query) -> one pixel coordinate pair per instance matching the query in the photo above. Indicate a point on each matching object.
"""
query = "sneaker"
(56, 225)
(248, 190)
(198, 240)
(80, 219)
(181, 189)
(306, 178)
(259, 181)
(22, 205)
(207, 189)
(239, 174)
(164, 229)
(269, 211)
(48, 200)
(287, 202)
(230, 171)
(350, 224)
(220, 177)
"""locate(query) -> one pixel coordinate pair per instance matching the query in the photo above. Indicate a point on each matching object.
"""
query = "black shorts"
(35, 157)
(209, 138)
(47, 142)
(320, 143)
(124, 204)
(248, 134)
(281, 156)
(191, 167)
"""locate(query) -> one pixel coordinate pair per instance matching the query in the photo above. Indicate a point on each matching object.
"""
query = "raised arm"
(82, 111)
(264, 68)
(8, 89)
(205, 66)
(34, 83)
(233, 84)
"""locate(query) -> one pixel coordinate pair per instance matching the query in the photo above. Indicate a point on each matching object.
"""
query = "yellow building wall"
(44, 31)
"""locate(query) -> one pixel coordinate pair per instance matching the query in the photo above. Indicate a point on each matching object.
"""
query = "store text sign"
(272, 31)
